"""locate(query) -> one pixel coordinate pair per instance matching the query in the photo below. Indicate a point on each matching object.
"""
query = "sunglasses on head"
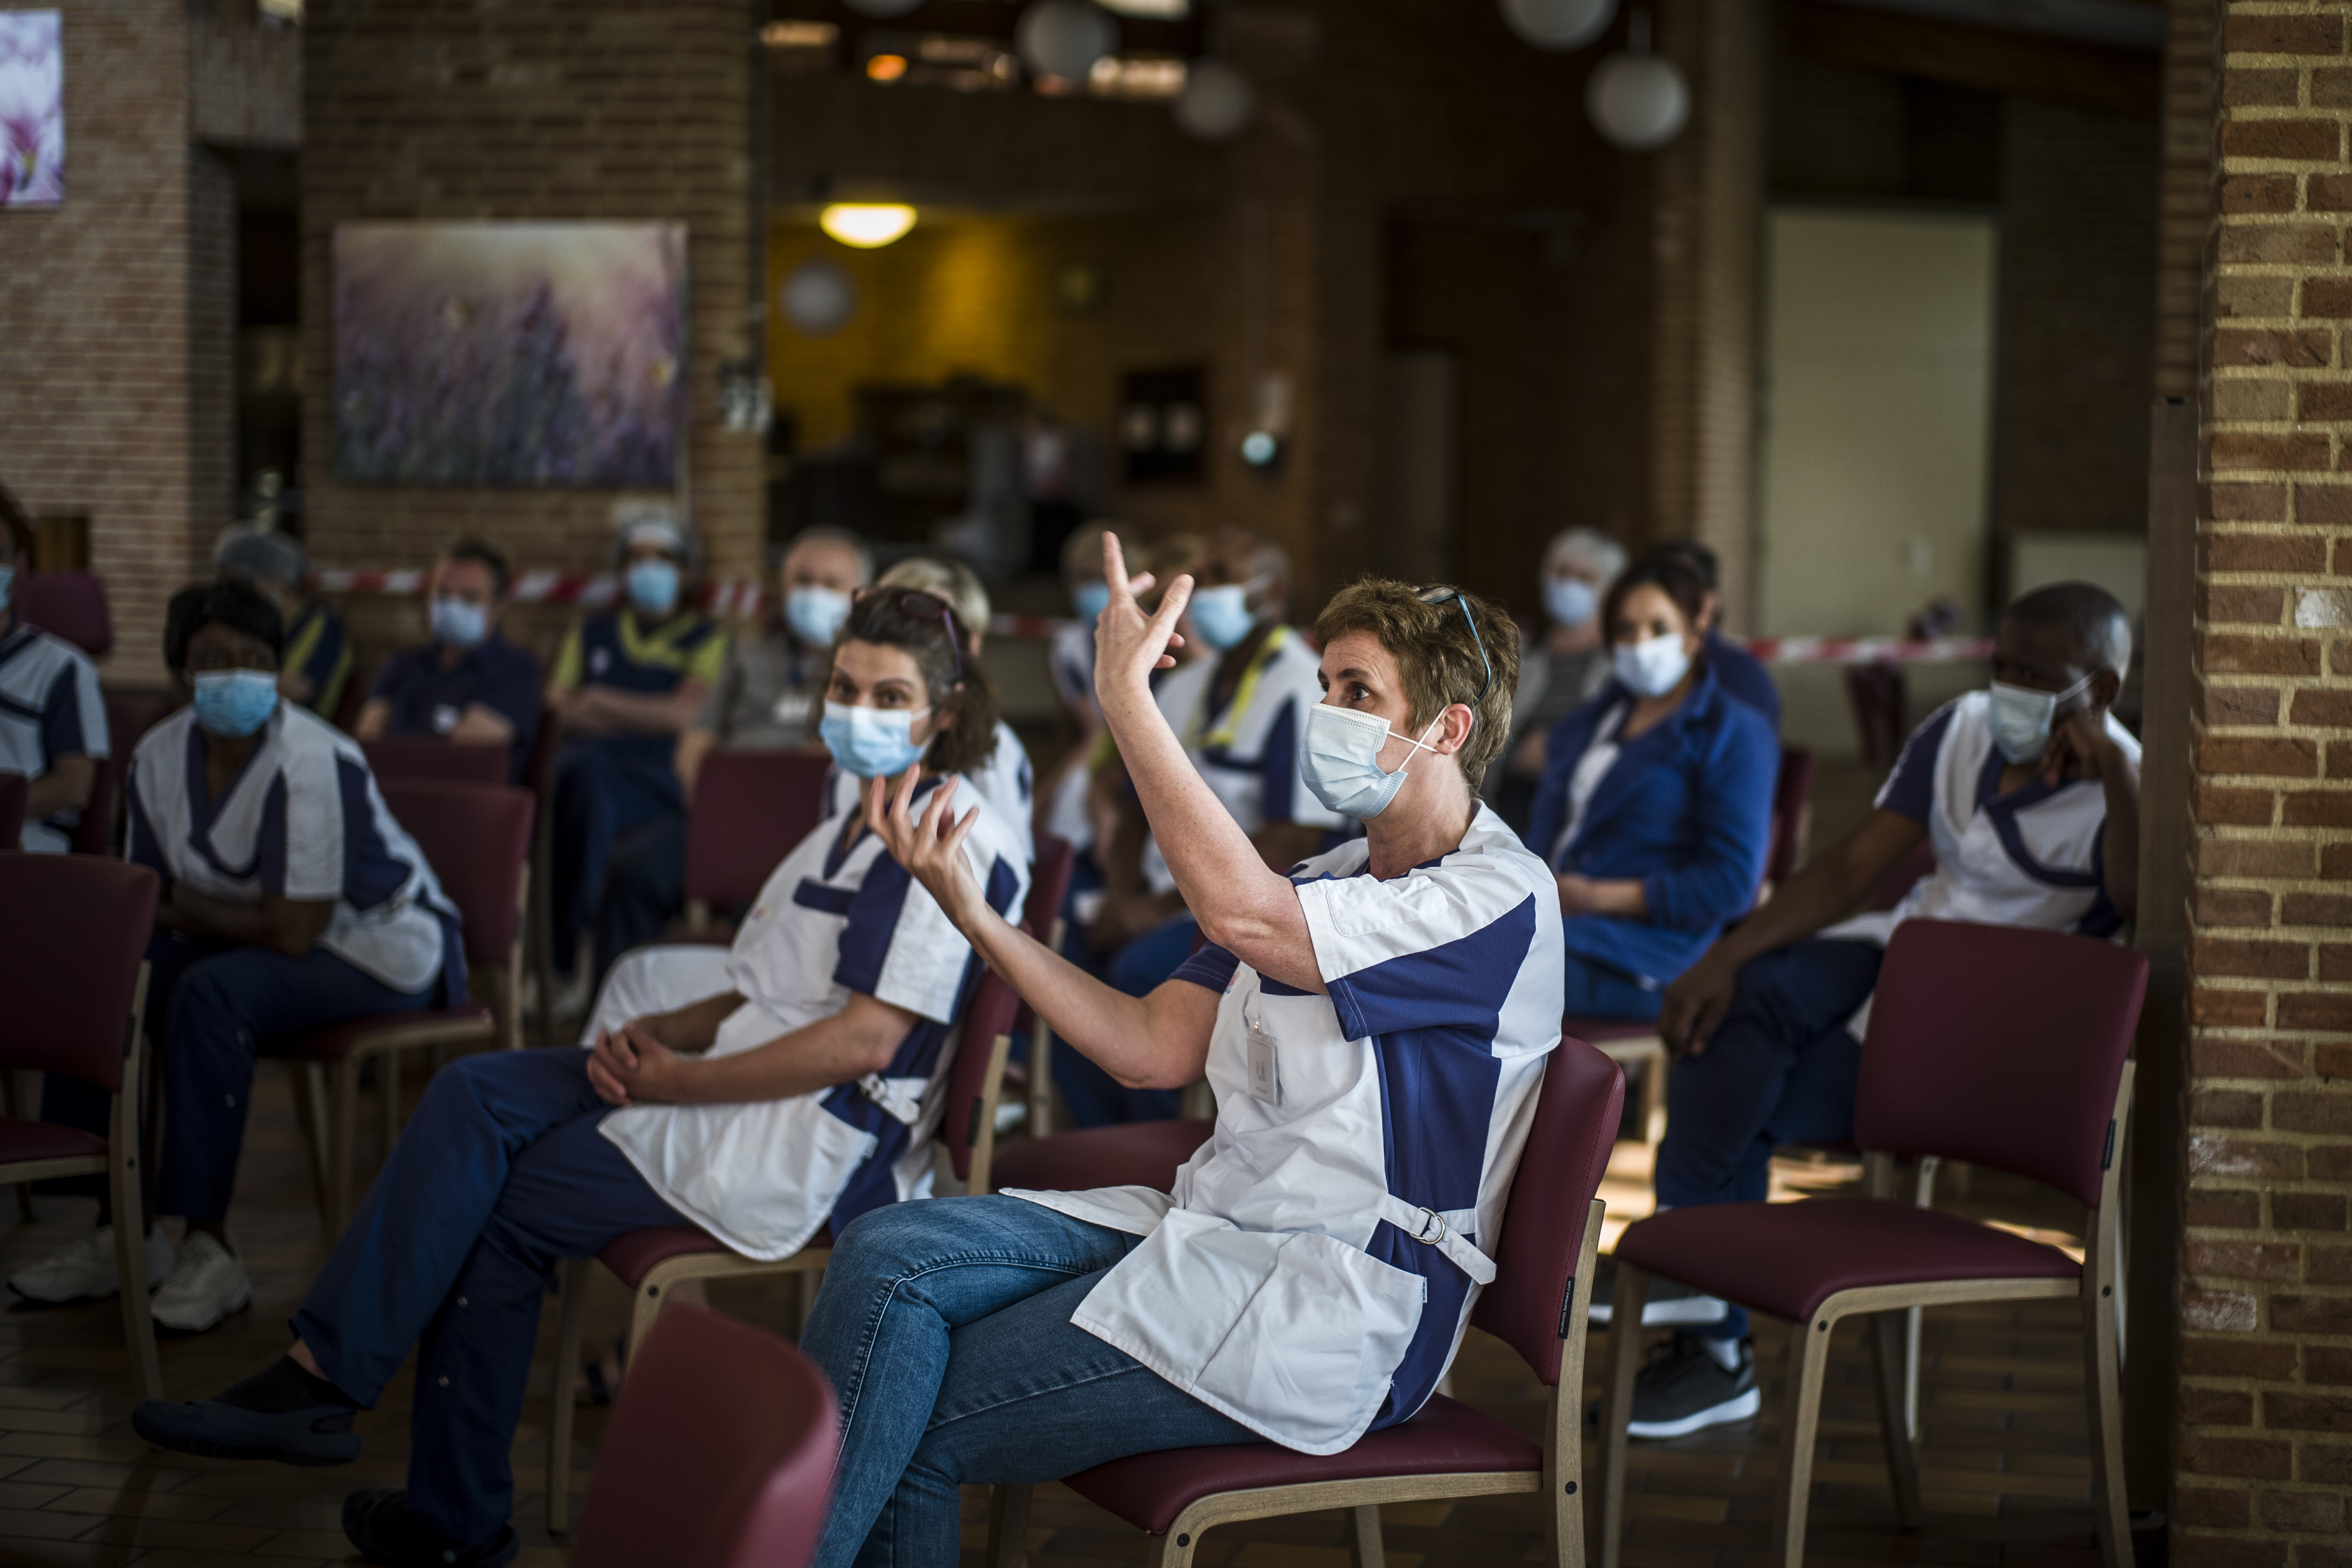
(923, 606)
(1443, 595)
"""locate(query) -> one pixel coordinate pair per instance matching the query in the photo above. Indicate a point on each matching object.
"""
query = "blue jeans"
(1094, 1098)
(501, 1171)
(605, 785)
(1780, 1069)
(945, 1327)
(210, 1008)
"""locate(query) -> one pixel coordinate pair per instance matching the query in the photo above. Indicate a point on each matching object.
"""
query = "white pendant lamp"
(1559, 24)
(1064, 37)
(1216, 103)
(1637, 100)
(818, 297)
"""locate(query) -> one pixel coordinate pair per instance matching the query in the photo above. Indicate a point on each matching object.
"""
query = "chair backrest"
(1900, 877)
(719, 1453)
(1577, 1112)
(1792, 796)
(2002, 1046)
(418, 757)
(988, 1014)
(70, 605)
(129, 716)
(1049, 886)
(1875, 691)
(477, 837)
(73, 932)
(749, 809)
(14, 788)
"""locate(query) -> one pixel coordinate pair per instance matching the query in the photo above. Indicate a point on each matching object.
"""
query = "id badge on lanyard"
(1265, 1063)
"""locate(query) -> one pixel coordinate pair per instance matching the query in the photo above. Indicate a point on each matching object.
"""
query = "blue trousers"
(501, 1172)
(1094, 1098)
(605, 785)
(945, 1327)
(1781, 1068)
(210, 1008)
(1597, 990)
(645, 889)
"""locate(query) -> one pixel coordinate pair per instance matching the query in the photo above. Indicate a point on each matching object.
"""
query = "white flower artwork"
(32, 110)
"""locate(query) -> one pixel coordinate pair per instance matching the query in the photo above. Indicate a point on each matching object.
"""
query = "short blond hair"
(949, 579)
(1442, 660)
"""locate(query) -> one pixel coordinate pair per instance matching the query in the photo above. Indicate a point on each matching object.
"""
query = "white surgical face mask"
(1652, 667)
(2022, 717)
(1341, 760)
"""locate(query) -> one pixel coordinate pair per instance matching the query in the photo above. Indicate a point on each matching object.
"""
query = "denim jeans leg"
(901, 1279)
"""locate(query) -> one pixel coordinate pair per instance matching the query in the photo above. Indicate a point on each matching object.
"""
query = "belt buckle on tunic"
(1432, 1230)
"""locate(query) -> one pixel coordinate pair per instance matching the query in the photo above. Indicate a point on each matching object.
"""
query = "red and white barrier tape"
(740, 598)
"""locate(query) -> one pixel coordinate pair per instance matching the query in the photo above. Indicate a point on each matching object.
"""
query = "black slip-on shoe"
(376, 1522)
(319, 1434)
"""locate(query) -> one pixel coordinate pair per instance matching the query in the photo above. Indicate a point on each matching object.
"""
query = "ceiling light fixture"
(866, 226)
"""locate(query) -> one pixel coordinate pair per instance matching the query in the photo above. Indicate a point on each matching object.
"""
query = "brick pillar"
(2266, 1455)
(2184, 192)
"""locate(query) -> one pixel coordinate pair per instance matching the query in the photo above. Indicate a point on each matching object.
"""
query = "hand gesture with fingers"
(929, 843)
(2079, 747)
(1128, 643)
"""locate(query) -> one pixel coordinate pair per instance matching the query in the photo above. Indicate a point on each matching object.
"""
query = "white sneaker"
(83, 1268)
(204, 1286)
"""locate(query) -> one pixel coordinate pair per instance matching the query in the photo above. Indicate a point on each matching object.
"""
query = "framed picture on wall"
(32, 110)
(510, 353)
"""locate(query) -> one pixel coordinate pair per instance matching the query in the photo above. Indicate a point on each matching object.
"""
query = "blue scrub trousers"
(1094, 1098)
(501, 1171)
(1781, 1068)
(211, 1007)
(945, 1328)
(605, 785)
(645, 889)
(1598, 990)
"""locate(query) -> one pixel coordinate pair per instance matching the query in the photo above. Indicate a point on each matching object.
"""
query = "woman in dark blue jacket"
(1656, 801)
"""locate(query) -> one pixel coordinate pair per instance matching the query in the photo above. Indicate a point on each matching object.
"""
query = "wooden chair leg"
(1008, 1526)
(1809, 1357)
(1368, 1552)
(1654, 1099)
(1924, 1195)
(1625, 1306)
(572, 1278)
(311, 1102)
(1887, 1332)
(131, 1261)
(811, 1281)
(21, 1093)
(2102, 1385)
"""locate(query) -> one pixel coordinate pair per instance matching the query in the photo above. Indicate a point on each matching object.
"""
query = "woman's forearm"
(1118, 1032)
(2120, 843)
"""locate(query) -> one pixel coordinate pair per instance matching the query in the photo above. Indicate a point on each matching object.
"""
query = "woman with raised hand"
(1375, 1025)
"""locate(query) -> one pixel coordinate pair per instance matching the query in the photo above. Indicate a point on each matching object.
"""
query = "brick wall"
(2265, 1451)
(534, 109)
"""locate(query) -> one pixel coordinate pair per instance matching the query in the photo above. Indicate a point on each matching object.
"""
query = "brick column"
(2265, 1455)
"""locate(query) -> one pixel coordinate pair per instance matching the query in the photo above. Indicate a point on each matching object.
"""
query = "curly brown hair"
(1429, 632)
(926, 626)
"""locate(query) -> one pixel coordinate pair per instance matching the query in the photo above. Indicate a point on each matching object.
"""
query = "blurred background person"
(52, 719)
(627, 683)
(317, 659)
(1070, 661)
(1559, 673)
(468, 686)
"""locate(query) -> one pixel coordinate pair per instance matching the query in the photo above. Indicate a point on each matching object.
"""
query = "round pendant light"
(1217, 102)
(866, 226)
(818, 297)
(1064, 37)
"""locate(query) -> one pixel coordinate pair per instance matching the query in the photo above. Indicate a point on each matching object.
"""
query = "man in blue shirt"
(468, 686)
(1741, 675)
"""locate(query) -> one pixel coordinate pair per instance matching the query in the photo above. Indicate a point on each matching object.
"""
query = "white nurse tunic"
(834, 919)
(1312, 1273)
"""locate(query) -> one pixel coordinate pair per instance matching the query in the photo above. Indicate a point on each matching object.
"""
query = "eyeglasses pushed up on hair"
(1443, 594)
(923, 606)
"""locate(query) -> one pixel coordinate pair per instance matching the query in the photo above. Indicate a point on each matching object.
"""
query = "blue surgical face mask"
(234, 703)
(1093, 598)
(7, 582)
(1653, 667)
(460, 623)
(872, 742)
(816, 613)
(1570, 600)
(1341, 760)
(2022, 717)
(1222, 615)
(653, 586)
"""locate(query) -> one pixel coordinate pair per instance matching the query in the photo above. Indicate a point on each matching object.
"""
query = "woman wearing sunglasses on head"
(1375, 1025)
(760, 1092)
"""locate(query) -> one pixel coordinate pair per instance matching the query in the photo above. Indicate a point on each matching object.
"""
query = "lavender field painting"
(32, 110)
(510, 353)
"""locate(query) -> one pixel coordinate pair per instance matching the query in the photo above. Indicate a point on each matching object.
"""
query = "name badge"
(1264, 1065)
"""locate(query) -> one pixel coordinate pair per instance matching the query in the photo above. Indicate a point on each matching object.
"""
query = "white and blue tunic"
(1313, 1271)
(836, 917)
(49, 708)
(303, 820)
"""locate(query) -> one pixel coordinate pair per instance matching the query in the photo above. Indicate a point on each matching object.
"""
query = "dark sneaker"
(376, 1522)
(1670, 1306)
(319, 1434)
(1684, 1389)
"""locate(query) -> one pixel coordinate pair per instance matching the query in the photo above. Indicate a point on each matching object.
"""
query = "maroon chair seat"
(1447, 1438)
(23, 1142)
(1601, 1031)
(419, 757)
(638, 1254)
(334, 1042)
(1789, 1259)
(14, 788)
(1135, 1155)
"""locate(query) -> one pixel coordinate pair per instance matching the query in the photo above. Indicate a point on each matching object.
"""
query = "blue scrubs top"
(427, 698)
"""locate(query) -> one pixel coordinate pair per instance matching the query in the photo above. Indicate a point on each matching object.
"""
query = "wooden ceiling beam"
(2016, 65)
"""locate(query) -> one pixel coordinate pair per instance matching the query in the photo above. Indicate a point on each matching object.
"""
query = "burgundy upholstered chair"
(720, 1454)
(1049, 889)
(1542, 1289)
(73, 944)
(751, 809)
(651, 1262)
(70, 606)
(1792, 806)
(1941, 1072)
(422, 759)
(14, 788)
(476, 838)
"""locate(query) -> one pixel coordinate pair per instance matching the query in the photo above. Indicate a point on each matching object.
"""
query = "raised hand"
(1128, 643)
(2079, 747)
(929, 844)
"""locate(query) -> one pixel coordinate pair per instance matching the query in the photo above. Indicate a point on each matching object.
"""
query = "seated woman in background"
(1656, 802)
(291, 900)
(763, 1090)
